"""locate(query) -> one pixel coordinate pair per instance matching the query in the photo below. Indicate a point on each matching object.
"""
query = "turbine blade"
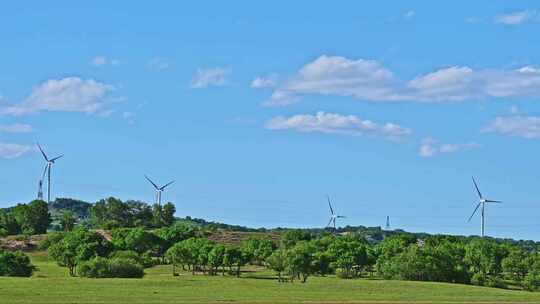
(44, 172)
(492, 201)
(57, 157)
(330, 205)
(42, 153)
(330, 222)
(474, 212)
(341, 216)
(151, 182)
(476, 186)
(163, 188)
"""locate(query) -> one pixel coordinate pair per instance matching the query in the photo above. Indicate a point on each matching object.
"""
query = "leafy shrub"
(144, 259)
(15, 264)
(495, 281)
(77, 246)
(138, 240)
(52, 238)
(344, 274)
(125, 268)
(97, 267)
(532, 281)
(478, 279)
(481, 279)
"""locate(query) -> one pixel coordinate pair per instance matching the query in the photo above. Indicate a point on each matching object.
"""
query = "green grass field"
(50, 284)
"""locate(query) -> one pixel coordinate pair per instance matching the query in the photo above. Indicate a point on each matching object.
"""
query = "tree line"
(110, 213)
(300, 254)
(144, 235)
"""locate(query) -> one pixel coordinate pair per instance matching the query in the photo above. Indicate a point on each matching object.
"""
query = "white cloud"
(516, 18)
(514, 110)
(332, 75)
(409, 14)
(449, 83)
(129, 117)
(71, 94)
(210, 77)
(159, 64)
(472, 19)
(16, 128)
(100, 61)
(517, 126)
(10, 151)
(331, 123)
(430, 147)
(264, 81)
(369, 80)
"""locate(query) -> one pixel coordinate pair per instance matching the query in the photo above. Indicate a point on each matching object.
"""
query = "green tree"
(531, 281)
(67, 221)
(204, 247)
(181, 254)
(299, 260)
(234, 258)
(176, 233)
(215, 258)
(390, 248)
(78, 245)
(141, 213)
(138, 240)
(256, 250)
(168, 212)
(111, 213)
(517, 264)
(484, 258)
(9, 224)
(277, 262)
(349, 255)
(34, 218)
(291, 237)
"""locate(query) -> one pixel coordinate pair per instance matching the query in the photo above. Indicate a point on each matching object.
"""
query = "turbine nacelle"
(333, 215)
(159, 190)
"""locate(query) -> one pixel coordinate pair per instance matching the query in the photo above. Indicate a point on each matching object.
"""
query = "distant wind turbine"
(158, 190)
(333, 215)
(482, 202)
(47, 171)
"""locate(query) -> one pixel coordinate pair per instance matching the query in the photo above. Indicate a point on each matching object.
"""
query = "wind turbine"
(333, 215)
(48, 167)
(482, 202)
(159, 190)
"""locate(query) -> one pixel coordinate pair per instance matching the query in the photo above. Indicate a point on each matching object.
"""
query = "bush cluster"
(116, 267)
(15, 264)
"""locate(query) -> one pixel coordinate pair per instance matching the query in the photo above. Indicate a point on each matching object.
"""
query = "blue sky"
(260, 110)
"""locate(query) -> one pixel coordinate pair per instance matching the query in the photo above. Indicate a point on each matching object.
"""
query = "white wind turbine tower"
(333, 215)
(47, 170)
(158, 190)
(482, 202)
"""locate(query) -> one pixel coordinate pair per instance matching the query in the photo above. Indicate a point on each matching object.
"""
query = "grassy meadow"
(51, 284)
